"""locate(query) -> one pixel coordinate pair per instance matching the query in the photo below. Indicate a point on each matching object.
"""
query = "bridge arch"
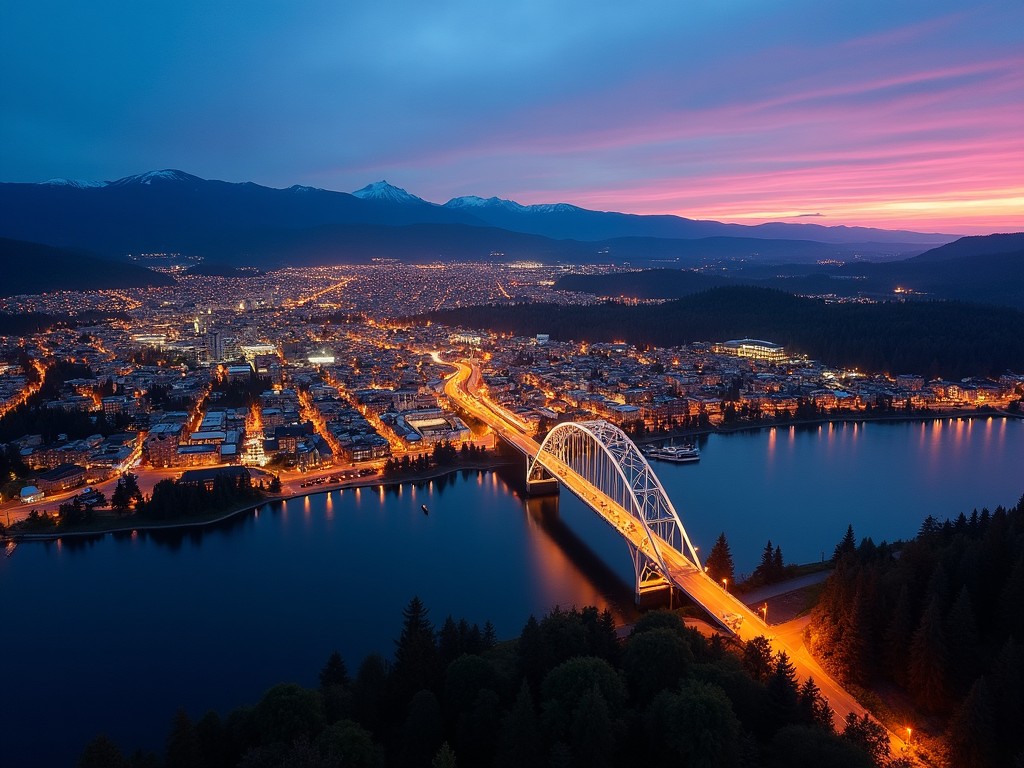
(604, 456)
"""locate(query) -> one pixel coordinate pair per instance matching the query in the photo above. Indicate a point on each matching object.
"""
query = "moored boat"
(680, 454)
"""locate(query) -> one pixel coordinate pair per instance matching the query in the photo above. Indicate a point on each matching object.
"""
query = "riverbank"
(128, 525)
(852, 418)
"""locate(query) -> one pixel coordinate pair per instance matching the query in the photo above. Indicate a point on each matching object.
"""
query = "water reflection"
(278, 603)
(562, 556)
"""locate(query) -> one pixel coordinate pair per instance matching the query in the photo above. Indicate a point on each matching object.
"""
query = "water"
(114, 633)
(802, 487)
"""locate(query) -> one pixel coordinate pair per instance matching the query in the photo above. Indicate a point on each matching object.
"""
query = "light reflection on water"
(210, 619)
(802, 487)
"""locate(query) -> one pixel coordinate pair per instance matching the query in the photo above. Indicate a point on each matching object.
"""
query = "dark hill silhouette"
(971, 269)
(34, 268)
(948, 339)
(981, 245)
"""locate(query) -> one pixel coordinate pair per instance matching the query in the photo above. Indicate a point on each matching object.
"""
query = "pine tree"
(765, 567)
(928, 660)
(449, 643)
(962, 640)
(182, 743)
(445, 757)
(869, 734)
(972, 732)
(520, 743)
(719, 564)
(814, 707)
(897, 637)
(783, 692)
(416, 658)
(531, 652)
(121, 498)
(101, 752)
(368, 692)
(757, 658)
(855, 639)
(334, 673)
(490, 636)
(847, 546)
(592, 734)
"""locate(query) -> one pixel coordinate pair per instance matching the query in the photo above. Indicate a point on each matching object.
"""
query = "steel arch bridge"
(604, 458)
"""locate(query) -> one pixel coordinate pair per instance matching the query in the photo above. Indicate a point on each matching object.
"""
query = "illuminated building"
(61, 478)
(214, 346)
(755, 349)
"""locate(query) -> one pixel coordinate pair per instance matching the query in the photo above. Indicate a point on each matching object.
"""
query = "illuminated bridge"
(598, 463)
(601, 465)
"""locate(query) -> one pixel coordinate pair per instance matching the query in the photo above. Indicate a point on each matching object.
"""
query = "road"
(462, 388)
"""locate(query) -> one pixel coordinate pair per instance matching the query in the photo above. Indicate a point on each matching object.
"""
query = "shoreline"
(365, 482)
(974, 413)
(19, 537)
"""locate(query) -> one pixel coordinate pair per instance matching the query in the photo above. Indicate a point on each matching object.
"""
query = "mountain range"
(249, 224)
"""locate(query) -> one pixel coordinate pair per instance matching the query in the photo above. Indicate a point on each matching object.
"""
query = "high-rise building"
(214, 346)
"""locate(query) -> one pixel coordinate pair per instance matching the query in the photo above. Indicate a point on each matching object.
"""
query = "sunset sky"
(890, 114)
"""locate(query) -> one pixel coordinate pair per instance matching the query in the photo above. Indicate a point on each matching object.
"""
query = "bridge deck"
(712, 596)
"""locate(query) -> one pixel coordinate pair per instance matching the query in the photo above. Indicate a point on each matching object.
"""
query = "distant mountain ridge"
(986, 269)
(173, 211)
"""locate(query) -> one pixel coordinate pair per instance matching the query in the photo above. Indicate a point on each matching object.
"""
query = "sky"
(897, 114)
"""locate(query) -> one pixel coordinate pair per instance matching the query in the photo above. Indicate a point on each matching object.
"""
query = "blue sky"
(893, 114)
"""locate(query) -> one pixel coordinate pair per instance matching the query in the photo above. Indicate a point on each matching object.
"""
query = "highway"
(462, 388)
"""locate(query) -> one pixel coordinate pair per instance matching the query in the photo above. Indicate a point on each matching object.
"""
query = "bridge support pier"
(650, 584)
(540, 482)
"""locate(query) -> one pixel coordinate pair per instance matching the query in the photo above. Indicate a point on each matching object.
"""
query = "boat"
(424, 508)
(681, 454)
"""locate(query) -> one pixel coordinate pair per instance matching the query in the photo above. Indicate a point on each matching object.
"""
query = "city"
(342, 383)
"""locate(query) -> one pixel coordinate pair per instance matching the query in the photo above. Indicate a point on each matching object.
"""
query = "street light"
(725, 584)
(764, 609)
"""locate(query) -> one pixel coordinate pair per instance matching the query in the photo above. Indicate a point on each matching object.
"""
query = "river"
(113, 634)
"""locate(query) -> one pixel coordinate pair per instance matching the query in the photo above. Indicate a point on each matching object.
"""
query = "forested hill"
(986, 277)
(936, 339)
(31, 268)
(941, 619)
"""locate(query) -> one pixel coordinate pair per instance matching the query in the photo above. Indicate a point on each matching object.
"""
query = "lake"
(112, 634)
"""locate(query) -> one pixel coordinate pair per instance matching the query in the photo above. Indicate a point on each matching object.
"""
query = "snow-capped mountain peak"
(75, 183)
(472, 201)
(554, 208)
(303, 188)
(168, 175)
(381, 190)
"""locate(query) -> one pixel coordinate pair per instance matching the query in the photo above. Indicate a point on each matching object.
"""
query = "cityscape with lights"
(563, 385)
